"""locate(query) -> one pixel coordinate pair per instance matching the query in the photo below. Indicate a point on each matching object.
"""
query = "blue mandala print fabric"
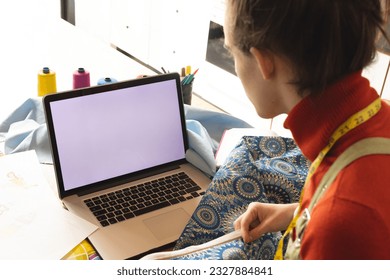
(261, 168)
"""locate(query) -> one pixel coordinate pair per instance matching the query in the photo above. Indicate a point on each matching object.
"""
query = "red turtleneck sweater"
(352, 219)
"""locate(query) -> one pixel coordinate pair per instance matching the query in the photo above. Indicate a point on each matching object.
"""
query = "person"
(305, 58)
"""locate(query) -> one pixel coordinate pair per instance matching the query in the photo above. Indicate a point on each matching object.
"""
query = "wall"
(173, 34)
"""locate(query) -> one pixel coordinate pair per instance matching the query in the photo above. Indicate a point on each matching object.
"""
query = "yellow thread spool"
(188, 70)
(46, 82)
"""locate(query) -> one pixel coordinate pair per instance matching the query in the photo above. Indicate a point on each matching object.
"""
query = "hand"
(261, 218)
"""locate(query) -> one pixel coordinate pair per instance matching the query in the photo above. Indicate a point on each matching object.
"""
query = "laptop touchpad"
(168, 224)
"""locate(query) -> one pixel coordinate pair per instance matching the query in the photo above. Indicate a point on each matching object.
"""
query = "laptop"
(119, 159)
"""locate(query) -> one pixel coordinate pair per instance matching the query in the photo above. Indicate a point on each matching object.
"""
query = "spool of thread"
(107, 80)
(81, 78)
(47, 83)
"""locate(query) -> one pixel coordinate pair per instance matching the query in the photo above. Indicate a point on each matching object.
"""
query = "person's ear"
(265, 62)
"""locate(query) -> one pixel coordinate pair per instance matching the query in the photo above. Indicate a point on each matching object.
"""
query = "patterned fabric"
(260, 168)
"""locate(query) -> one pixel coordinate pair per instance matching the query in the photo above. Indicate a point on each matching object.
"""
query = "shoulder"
(351, 220)
(362, 190)
(367, 176)
(370, 173)
(345, 229)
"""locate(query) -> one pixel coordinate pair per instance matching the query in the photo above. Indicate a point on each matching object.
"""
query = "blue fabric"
(205, 129)
(214, 122)
(261, 168)
(25, 129)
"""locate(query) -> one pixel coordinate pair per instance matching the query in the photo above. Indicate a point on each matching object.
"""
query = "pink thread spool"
(81, 78)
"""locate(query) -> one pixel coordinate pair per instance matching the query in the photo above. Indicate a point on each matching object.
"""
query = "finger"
(254, 224)
(237, 223)
(246, 222)
(256, 232)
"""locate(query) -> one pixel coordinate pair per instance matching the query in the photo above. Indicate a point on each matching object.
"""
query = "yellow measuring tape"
(352, 122)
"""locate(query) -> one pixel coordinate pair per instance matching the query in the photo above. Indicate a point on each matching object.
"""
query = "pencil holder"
(187, 93)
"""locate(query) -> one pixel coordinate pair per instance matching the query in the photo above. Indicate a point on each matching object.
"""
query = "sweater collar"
(314, 119)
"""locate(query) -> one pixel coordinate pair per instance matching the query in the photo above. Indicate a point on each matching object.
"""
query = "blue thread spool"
(107, 80)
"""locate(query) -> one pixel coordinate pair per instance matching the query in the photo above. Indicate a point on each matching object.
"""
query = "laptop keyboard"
(134, 201)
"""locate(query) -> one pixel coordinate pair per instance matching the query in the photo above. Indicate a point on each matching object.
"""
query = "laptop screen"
(117, 131)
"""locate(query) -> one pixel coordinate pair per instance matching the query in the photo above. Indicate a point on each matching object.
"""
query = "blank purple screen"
(105, 135)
